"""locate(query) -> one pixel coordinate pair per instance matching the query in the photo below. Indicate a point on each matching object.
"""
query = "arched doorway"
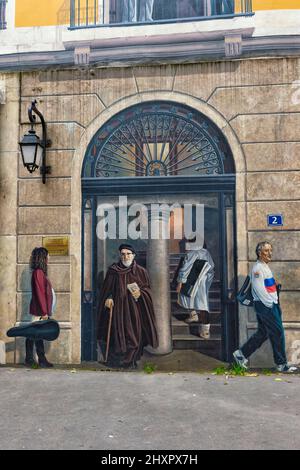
(163, 152)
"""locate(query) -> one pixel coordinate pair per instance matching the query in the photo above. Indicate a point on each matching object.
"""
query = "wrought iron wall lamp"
(33, 149)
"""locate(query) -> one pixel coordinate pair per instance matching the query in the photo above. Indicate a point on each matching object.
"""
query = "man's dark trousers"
(269, 326)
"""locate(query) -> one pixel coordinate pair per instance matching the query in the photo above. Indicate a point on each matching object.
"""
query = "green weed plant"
(149, 368)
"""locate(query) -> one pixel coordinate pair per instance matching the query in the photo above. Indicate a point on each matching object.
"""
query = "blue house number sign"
(275, 220)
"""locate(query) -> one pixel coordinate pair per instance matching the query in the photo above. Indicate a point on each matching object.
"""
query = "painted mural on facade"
(174, 175)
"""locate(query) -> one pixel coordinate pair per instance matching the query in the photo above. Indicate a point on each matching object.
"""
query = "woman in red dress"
(42, 303)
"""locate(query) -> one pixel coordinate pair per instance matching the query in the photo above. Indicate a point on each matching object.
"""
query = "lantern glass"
(32, 151)
(32, 154)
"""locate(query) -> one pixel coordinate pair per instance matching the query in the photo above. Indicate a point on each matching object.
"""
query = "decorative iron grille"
(3, 23)
(158, 139)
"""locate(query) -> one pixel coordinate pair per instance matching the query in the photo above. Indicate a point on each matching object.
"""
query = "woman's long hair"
(38, 259)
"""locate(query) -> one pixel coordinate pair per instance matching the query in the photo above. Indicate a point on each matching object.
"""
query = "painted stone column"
(159, 273)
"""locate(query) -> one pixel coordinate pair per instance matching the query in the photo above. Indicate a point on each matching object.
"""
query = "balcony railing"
(3, 14)
(94, 13)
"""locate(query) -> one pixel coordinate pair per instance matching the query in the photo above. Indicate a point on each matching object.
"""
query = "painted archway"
(104, 117)
(157, 142)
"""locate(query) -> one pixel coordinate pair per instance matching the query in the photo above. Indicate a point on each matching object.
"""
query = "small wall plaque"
(275, 220)
(57, 246)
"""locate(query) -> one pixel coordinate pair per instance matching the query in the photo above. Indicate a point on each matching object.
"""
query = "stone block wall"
(258, 100)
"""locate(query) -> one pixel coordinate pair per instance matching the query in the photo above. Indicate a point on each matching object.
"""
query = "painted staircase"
(186, 336)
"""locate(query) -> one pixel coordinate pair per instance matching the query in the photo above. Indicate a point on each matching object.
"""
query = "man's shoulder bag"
(244, 296)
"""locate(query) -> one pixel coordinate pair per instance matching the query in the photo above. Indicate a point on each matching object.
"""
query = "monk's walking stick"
(108, 332)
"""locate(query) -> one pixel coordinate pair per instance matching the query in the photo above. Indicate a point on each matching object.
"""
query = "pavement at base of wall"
(176, 361)
(73, 408)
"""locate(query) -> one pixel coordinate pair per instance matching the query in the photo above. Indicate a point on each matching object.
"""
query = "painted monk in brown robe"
(126, 290)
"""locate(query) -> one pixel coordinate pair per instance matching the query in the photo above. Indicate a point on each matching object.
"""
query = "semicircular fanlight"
(157, 139)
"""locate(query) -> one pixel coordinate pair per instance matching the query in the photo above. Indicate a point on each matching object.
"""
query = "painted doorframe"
(223, 185)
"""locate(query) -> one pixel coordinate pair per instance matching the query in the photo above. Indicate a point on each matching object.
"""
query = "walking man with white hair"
(268, 312)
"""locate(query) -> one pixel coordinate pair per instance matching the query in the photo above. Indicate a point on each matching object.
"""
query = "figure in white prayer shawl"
(194, 280)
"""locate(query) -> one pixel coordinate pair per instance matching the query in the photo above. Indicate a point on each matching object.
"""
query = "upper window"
(131, 12)
(2, 14)
(141, 11)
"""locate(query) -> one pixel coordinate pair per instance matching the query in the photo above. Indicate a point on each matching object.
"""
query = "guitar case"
(46, 329)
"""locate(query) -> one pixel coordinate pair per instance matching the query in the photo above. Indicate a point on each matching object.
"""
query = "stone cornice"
(189, 48)
(158, 40)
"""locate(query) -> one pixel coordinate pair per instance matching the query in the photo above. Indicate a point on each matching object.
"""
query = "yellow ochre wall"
(47, 12)
(39, 12)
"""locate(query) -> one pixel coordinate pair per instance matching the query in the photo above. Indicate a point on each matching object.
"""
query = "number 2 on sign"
(275, 219)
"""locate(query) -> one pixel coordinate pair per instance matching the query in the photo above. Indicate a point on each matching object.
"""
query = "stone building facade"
(253, 101)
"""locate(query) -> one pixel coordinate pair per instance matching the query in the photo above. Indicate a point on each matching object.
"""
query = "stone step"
(182, 328)
(214, 286)
(176, 308)
(196, 338)
(172, 270)
(214, 295)
(176, 255)
(215, 316)
(195, 343)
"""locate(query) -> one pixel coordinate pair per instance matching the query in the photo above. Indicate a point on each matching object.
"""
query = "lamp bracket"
(32, 112)
(45, 170)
